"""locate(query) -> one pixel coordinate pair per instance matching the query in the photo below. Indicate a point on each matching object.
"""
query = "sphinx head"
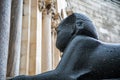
(73, 25)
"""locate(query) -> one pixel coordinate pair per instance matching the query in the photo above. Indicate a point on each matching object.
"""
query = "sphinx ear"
(85, 28)
(78, 27)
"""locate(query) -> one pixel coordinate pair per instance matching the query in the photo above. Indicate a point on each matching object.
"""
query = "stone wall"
(105, 14)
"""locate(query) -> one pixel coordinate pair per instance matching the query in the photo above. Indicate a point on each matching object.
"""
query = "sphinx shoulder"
(85, 41)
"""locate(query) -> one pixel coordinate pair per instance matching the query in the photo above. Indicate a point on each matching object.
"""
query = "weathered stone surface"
(15, 38)
(46, 42)
(25, 40)
(33, 37)
(104, 14)
(5, 6)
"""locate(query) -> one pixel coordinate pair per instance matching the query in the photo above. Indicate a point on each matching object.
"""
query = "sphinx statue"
(84, 57)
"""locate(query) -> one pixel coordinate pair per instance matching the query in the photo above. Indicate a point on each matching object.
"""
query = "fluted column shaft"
(5, 8)
(24, 58)
(15, 38)
(46, 42)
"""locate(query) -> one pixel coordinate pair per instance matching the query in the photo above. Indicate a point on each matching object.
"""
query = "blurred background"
(28, 35)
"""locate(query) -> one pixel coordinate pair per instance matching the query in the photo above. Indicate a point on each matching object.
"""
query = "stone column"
(46, 42)
(59, 3)
(39, 42)
(55, 51)
(15, 38)
(24, 59)
(33, 37)
(5, 8)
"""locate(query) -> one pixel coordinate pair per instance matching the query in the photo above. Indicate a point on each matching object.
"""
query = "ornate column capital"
(41, 5)
(46, 6)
